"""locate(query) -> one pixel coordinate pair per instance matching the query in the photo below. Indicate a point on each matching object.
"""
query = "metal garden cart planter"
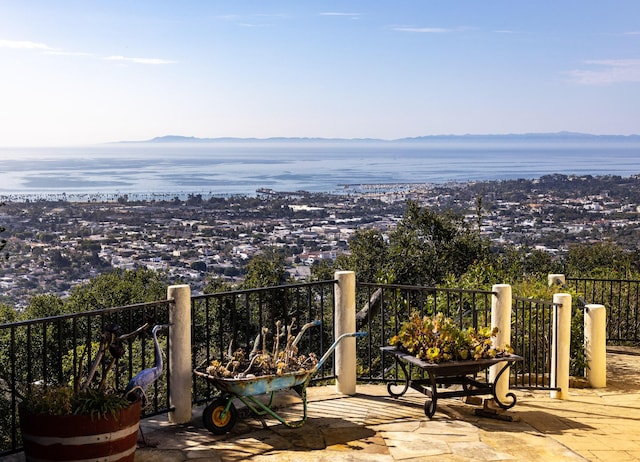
(450, 373)
(221, 415)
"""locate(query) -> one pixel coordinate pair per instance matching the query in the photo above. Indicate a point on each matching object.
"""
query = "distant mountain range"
(558, 136)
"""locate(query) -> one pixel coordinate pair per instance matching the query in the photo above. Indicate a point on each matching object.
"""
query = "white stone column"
(501, 318)
(595, 345)
(345, 322)
(180, 353)
(556, 280)
(561, 353)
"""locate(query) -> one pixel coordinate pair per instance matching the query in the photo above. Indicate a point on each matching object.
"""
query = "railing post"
(556, 280)
(595, 345)
(501, 318)
(561, 351)
(180, 353)
(345, 322)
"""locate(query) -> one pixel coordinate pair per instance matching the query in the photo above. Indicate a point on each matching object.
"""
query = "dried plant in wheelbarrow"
(280, 359)
(438, 339)
(263, 371)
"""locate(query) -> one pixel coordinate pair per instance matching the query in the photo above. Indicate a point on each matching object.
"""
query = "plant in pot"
(437, 339)
(88, 419)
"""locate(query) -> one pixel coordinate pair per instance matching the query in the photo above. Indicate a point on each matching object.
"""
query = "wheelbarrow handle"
(317, 322)
(335, 344)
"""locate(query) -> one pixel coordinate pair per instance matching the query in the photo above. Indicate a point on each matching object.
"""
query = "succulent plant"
(438, 339)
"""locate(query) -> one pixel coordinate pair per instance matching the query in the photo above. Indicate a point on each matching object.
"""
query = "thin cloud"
(25, 45)
(608, 72)
(44, 48)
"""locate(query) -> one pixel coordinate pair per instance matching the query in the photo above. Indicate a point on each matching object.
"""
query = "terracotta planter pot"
(79, 437)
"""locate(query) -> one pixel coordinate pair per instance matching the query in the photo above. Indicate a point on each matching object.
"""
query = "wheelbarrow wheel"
(216, 420)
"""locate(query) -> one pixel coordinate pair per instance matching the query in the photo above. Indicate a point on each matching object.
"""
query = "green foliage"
(427, 246)
(368, 255)
(479, 275)
(91, 387)
(86, 386)
(594, 259)
(539, 263)
(424, 248)
(98, 404)
(216, 284)
(43, 306)
(322, 270)
(63, 401)
(118, 288)
(108, 290)
(578, 358)
(50, 400)
(7, 314)
(266, 269)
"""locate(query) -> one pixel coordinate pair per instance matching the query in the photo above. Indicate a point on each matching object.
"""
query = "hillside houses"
(54, 245)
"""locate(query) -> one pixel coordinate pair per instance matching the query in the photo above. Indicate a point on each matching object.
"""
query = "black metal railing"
(621, 299)
(47, 349)
(53, 351)
(232, 320)
(383, 308)
(533, 338)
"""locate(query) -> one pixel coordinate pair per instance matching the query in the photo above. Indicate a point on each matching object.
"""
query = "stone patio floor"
(592, 424)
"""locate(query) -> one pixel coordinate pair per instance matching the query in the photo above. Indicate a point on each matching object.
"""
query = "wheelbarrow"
(221, 415)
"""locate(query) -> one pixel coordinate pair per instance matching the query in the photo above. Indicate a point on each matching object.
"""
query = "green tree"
(540, 263)
(118, 288)
(216, 284)
(598, 258)
(427, 246)
(266, 269)
(44, 306)
(322, 270)
(7, 314)
(368, 255)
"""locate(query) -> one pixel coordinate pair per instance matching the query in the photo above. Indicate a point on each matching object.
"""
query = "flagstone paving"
(591, 424)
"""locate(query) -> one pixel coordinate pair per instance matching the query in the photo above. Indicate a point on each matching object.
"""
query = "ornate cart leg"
(431, 404)
(510, 395)
(395, 383)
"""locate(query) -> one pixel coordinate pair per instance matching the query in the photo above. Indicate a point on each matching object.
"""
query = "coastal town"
(54, 244)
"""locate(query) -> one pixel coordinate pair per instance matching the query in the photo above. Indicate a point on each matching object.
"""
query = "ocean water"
(219, 168)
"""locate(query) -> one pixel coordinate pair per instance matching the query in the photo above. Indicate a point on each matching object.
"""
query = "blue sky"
(84, 72)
